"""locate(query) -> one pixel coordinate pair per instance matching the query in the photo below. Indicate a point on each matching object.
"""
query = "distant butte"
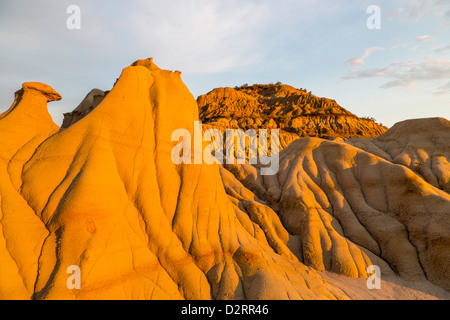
(296, 112)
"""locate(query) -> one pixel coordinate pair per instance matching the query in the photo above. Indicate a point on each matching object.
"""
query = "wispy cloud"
(202, 36)
(361, 60)
(444, 50)
(423, 38)
(444, 89)
(417, 9)
(408, 73)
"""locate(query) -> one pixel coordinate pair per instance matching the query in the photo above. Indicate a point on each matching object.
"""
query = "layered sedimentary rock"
(423, 145)
(296, 113)
(103, 195)
(349, 208)
(23, 127)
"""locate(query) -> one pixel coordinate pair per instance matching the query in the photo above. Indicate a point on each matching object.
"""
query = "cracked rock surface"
(103, 194)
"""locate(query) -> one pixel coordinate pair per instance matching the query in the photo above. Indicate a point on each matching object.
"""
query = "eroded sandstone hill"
(103, 194)
(350, 208)
(423, 145)
(297, 113)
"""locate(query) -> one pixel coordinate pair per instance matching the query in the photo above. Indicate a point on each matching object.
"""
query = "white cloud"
(417, 9)
(444, 89)
(356, 61)
(444, 50)
(361, 61)
(202, 36)
(408, 73)
(423, 38)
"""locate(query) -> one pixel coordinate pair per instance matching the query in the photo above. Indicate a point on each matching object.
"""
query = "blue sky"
(398, 72)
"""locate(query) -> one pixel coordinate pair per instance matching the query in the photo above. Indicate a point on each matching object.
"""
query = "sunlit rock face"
(103, 196)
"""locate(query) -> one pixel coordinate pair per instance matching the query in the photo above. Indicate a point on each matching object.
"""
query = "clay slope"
(296, 113)
(423, 145)
(23, 127)
(350, 208)
(104, 195)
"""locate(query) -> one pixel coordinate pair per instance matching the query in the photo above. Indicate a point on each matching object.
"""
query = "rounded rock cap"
(40, 88)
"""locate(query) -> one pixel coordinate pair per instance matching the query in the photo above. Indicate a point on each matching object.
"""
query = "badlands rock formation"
(103, 194)
(22, 129)
(350, 208)
(89, 103)
(296, 113)
(423, 145)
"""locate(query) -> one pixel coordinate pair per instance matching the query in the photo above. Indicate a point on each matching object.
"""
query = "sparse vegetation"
(369, 118)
